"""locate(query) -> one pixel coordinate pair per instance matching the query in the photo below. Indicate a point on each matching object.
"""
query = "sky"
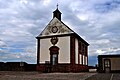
(96, 21)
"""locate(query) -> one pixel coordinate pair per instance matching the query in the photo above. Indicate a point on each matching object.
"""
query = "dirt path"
(105, 76)
(43, 76)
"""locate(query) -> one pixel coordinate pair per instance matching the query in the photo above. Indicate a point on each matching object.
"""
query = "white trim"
(86, 60)
(76, 51)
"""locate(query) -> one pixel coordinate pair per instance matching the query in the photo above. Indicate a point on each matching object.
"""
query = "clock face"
(54, 29)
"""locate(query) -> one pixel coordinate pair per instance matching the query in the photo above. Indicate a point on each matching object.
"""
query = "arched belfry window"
(54, 51)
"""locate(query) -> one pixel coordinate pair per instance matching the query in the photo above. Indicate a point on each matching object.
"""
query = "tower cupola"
(57, 14)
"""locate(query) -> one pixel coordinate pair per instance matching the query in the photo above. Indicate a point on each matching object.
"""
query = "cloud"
(2, 43)
(22, 20)
(107, 6)
(102, 41)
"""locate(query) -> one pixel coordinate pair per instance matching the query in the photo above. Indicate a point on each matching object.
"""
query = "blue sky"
(96, 21)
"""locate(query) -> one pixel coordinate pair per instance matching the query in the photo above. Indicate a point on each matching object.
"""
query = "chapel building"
(109, 63)
(60, 49)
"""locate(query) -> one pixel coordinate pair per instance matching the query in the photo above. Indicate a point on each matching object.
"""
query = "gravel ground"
(12, 75)
(6, 75)
(105, 76)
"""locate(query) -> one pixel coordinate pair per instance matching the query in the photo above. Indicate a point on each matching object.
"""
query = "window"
(107, 63)
(83, 50)
(83, 60)
(21, 63)
(80, 58)
(79, 45)
(54, 59)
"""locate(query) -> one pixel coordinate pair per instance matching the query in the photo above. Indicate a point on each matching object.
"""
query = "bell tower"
(57, 14)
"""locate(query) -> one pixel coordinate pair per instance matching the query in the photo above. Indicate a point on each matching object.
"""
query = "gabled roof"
(57, 28)
(63, 29)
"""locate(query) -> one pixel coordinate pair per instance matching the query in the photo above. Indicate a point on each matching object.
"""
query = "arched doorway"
(54, 51)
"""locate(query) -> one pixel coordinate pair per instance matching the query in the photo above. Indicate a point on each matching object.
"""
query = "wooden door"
(107, 65)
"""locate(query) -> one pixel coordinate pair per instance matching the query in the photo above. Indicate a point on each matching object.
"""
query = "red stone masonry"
(72, 50)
